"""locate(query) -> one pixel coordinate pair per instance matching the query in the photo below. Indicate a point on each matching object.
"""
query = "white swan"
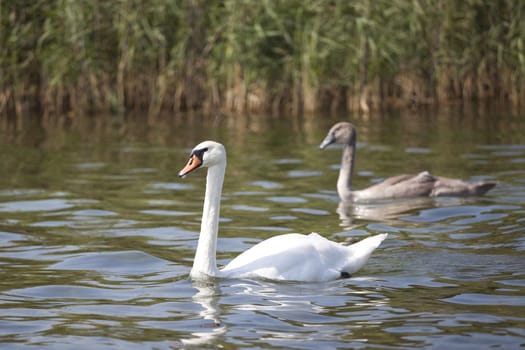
(291, 257)
(423, 184)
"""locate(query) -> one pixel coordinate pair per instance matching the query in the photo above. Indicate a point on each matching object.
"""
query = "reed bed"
(71, 57)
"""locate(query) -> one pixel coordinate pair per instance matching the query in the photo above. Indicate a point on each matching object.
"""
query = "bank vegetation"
(267, 56)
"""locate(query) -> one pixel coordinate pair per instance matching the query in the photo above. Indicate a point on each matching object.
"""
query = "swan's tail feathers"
(481, 188)
(358, 253)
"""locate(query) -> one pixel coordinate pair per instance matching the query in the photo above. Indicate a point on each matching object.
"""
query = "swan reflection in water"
(207, 297)
(388, 211)
(381, 210)
(277, 308)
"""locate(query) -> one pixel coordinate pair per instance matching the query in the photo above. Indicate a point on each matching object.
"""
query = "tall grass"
(101, 56)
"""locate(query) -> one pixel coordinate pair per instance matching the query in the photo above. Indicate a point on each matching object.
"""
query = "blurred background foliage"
(271, 56)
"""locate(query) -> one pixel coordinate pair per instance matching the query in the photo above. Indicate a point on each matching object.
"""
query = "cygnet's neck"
(344, 181)
(205, 262)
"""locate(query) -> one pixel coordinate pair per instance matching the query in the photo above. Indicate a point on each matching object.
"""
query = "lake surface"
(97, 235)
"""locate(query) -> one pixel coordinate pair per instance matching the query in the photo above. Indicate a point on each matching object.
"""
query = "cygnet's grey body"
(423, 184)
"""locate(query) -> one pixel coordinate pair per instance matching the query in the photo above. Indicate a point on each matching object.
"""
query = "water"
(97, 236)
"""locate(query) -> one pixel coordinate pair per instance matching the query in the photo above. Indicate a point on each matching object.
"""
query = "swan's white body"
(291, 257)
(298, 257)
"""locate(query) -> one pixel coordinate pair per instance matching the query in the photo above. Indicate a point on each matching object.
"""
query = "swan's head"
(342, 132)
(207, 154)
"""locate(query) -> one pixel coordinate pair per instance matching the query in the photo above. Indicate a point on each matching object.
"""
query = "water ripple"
(36, 205)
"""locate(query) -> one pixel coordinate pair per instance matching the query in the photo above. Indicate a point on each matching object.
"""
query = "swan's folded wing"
(454, 187)
(293, 257)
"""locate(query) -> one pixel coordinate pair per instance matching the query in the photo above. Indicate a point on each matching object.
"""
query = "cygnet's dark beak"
(328, 140)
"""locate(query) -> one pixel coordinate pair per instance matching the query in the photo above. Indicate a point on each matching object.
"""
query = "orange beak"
(192, 164)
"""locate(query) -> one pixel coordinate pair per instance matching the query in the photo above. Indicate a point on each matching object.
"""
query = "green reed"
(93, 56)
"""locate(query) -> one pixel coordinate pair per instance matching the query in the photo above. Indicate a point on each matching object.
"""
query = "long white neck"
(344, 181)
(205, 261)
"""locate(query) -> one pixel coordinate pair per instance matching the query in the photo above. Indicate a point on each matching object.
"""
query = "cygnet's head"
(342, 132)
